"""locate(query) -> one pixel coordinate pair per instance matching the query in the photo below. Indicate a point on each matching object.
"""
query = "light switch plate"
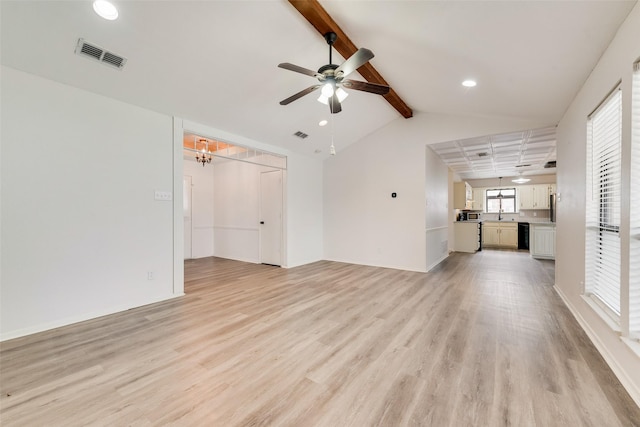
(163, 195)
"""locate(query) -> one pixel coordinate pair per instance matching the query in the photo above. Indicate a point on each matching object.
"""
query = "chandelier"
(203, 156)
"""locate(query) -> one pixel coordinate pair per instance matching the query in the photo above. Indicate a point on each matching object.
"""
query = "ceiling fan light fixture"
(327, 90)
(341, 94)
(323, 99)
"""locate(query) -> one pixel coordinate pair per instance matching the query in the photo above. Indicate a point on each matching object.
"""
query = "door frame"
(179, 127)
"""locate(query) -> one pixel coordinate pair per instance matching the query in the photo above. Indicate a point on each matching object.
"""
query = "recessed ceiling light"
(105, 9)
(322, 123)
(469, 83)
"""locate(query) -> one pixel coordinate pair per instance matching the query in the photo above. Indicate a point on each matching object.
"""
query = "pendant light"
(500, 196)
(521, 179)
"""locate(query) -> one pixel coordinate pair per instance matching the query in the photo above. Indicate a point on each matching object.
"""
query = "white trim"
(82, 318)
(618, 370)
(178, 208)
(430, 267)
(608, 316)
(633, 345)
(444, 227)
(226, 227)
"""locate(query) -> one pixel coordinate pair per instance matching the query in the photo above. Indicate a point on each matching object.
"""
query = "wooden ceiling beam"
(321, 21)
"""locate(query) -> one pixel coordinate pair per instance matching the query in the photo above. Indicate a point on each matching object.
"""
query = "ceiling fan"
(332, 78)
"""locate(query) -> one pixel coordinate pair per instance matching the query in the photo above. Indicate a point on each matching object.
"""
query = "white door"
(186, 190)
(271, 217)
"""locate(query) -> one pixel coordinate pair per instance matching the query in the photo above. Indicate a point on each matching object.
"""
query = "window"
(603, 204)
(501, 200)
(634, 238)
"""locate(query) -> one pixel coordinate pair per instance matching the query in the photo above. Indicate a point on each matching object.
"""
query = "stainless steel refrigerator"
(552, 207)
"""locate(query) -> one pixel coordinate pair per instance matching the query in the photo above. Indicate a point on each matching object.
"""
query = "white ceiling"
(215, 62)
(510, 154)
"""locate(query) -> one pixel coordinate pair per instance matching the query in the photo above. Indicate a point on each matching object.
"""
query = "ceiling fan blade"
(334, 104)
(301, 70)
(299, 94)
(366, 87)
(354, 62)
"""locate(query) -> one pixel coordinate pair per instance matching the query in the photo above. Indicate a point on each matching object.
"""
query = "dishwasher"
(523, 235)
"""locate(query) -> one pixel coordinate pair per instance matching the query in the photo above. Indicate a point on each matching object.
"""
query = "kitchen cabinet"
(542, 240)
(478, 199)
(462, 195)
(525, 195)
(541, 196)
(500, 234)
(535, 196)
(466, 236)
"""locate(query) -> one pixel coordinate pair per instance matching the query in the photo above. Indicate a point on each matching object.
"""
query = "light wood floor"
(481, 341)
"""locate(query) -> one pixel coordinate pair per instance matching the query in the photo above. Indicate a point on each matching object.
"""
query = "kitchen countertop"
(529, 221)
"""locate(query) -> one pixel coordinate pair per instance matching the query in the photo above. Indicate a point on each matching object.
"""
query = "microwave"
(471, 216)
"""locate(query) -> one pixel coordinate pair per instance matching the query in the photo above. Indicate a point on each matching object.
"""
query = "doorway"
(232, 190)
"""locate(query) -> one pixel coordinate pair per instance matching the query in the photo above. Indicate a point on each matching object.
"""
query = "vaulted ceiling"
(215, 62)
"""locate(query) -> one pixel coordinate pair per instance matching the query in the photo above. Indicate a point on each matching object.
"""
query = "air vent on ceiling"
(301, 135)
(483, 154)
(551, 164)
(91, 50)
(522, 166)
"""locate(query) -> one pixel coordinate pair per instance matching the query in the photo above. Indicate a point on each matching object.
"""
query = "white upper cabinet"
(525, 194)
(478, 199)
(535, 196)
(462, 195)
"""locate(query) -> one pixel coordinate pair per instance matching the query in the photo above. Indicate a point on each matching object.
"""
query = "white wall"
(437, 209)
(80, 226)
(363, 224)
(615, 65)
(202, 185)
(304, 215)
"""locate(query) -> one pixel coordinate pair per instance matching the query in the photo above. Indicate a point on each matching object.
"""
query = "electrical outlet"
(149, 275)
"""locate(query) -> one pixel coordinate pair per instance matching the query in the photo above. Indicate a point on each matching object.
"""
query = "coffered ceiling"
(529, 152)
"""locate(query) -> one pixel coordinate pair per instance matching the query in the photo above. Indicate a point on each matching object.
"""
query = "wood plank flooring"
(481, 341)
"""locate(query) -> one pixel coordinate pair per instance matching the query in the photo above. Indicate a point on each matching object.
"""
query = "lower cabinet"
(500, 234)
(542, 240)
(466, 236)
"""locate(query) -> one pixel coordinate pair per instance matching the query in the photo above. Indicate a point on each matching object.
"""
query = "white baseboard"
(632, 388)
(81, 318)
(445, 256)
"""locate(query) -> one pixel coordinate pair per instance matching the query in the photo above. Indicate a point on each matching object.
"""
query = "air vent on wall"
(301, 134)
(90, 50)
(550, 164)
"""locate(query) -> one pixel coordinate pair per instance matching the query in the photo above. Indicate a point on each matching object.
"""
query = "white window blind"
(634, 241)
(602, 255)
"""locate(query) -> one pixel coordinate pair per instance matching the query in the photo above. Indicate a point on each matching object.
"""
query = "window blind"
(602, 255)
(634, 240)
